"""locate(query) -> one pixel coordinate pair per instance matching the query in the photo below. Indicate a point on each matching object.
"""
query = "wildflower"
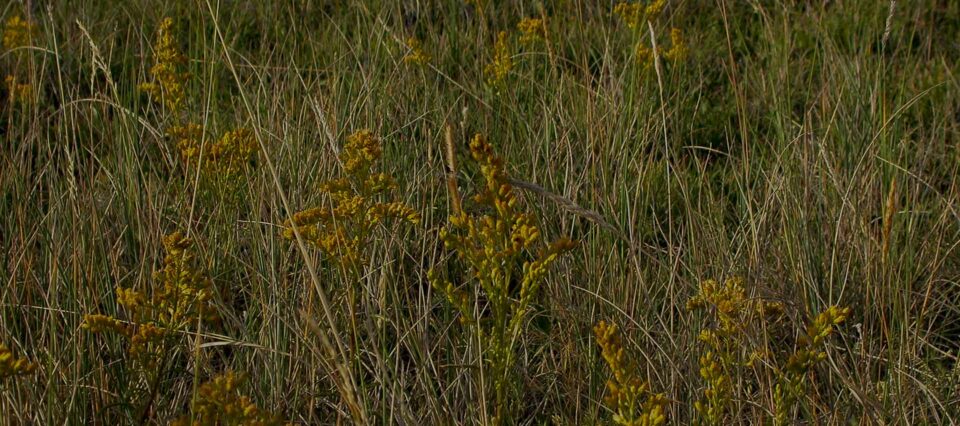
(498, 70)
(625, 390)
(631, 13)
(634, 14)
(231, 153)
(168, 82)
(18, 32)
(644, 56)
(532, 30)
(11, 366)
(492, 246)
(345, 229)
(181, 296)
(678, 49)
(219, 402)
(791, 385)
(18, 92)
(416, 54)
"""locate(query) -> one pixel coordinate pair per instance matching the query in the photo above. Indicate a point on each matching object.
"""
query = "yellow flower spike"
(625, 390)
(498, 70)
(18, 32)
(532, 30)
(653, 9)
(416, 55)
(19, 93)
(219, 402)
(11, 366)
(344, 229)
(495, 248)
(678, 49)
(167, 85)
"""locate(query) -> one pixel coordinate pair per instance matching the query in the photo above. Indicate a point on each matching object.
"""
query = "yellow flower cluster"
(181, 297)
(343, 230)
(678, 49)
(735, 316)
(492, 245)
(498, 70)
(18, 32)
(807, 355)
(635, 14)
(625, 391)
(224, 158)
(741, 336)
(11, 366)
(18, 92)
(416, 55)
(532, 30)
(168, 82)
(220, 403)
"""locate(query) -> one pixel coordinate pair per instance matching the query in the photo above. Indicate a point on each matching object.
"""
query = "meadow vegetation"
(561, 212)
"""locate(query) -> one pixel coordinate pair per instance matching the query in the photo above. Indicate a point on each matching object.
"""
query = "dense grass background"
(770, 153)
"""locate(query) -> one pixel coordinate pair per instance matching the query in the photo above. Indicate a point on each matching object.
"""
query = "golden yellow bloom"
(625, 390)
(631, 13)
(678, 49)
(181, 295)
(168, 82)
(219, 402)
(644, 56)
(635, 14)
(343, 230)
(532, 30)
(11, 366)
(18, 32)
(18, 92)
(498, 70)
(492, 246)
(416, 54)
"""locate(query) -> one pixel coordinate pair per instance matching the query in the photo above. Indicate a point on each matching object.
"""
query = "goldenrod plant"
(359, 202)
(498, 246)
(640, 17)
(157, 322)
(415, 53)
(501, 63)
(18, 33)
(793, 377)
(168, 80)
(628, 396)
(532, 30)
(11, 366)
(741, 343)
(219, 403)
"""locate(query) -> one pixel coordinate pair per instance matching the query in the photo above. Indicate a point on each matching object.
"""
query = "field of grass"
(562, 212)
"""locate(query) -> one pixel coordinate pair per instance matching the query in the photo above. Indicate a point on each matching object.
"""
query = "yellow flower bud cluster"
(499, 68)
(415, 53)
(344, 229)
(18, 32)
(168, 81)
(17, 92)
(11, 366)
(219, 402)
(808, 354)
(493, 245)
(532, 30)
(742, 339)
(181, 296)
(634, 14)
(628, 396)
